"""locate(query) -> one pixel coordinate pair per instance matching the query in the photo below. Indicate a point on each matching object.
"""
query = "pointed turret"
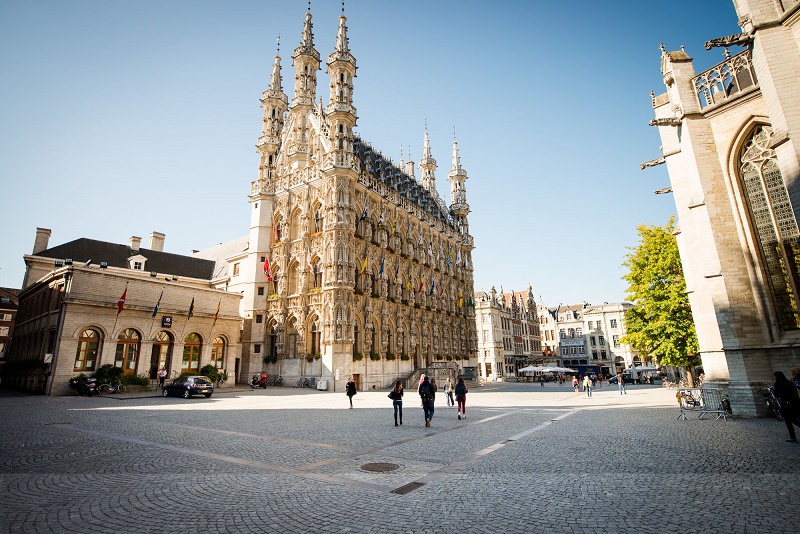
(458, 192)
(428, 167)
(274, 101)
(341, 113)
(306, 63)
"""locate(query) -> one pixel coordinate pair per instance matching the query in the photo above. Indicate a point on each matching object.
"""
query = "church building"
(731, 142)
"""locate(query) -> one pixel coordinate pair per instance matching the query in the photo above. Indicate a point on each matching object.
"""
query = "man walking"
(621, 384)
(427, 393)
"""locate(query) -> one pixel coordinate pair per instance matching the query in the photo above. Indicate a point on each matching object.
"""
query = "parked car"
(186, 386)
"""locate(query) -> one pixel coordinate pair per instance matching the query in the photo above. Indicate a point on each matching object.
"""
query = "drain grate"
(379, 467)
(408, 488)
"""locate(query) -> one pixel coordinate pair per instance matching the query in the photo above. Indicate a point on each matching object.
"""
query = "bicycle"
(116, 387)
(303, 382)
(220, 381)
(772, 402)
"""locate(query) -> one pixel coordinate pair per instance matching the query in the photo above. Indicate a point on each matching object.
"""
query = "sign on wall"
(166, 321)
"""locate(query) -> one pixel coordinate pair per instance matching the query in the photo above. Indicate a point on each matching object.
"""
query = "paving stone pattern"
(527, 459)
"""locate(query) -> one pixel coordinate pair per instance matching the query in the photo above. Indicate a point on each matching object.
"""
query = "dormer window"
(137, 262)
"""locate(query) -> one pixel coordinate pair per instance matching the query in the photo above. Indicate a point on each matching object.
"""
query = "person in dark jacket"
(790, 403)
(461, 398)
(397, 400)
(350, 390)
(427, 392)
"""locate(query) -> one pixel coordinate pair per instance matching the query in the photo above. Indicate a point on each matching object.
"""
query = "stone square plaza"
(526, 459)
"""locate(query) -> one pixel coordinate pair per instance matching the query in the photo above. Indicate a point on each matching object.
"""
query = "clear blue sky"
(120, 118)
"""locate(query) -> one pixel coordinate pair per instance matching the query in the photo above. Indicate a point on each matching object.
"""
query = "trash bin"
(322, 384)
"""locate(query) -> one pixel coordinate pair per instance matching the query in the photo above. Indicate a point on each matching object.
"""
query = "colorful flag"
(380, 272)
(275, 230)
(421, 283)
(460, 297)
(394, 226)
(366, 210)
(191, 310)
(121, 301)
(309, 262)
(449, 255)
(433, 284)
(408, 284)
(470, 302)
(380, 221)
(396, 272)
(441, 291)
(267, 271)
(216, 314)
(364, 265)
(155, 310)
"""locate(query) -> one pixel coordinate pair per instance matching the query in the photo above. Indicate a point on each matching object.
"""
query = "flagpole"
(189, 316)
(119, 308)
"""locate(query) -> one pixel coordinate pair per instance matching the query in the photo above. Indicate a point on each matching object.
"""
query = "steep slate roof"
(84, 249)
(394, 177)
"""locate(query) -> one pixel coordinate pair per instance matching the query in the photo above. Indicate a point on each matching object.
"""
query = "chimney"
(42, 240)
(136, 242)
(157, 241)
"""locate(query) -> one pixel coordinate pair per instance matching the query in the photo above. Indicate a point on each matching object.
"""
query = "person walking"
(790, 403)
(448, 390)
(621, 384)
(541, 380)
(427, 393)
(575, 384)
(587, 383)
(350, 390)
(162, 375)
(461, 398)
(397, 400)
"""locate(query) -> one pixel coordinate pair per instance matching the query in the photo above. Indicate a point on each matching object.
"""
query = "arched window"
(272, 337)
(191, 352)
(218, 352)
(294, 278)
(162, 350)
(291, 340)
(774, 223)
(127, 351)
(356, 339)
(297, 226)
(317, 274)
(86, 355)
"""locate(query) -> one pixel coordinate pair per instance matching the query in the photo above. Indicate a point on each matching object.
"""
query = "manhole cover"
(379, 467)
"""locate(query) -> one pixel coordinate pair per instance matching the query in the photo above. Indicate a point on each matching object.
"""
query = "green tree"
(660, 323)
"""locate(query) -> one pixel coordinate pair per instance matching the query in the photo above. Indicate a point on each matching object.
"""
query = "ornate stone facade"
(353, 267)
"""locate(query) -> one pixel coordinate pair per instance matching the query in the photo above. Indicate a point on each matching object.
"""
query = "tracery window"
(191, 352)
(218, 352)
(775, 225)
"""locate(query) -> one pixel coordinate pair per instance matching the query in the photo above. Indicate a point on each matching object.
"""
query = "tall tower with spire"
(306, 64)
(428, 167)
(340, 112)
(458, 191)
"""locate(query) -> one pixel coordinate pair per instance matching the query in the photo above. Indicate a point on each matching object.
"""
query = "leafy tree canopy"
(660, 322)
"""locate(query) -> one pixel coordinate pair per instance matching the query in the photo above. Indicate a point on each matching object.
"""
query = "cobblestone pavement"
(527, 459)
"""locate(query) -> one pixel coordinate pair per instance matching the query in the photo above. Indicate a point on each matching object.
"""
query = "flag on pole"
(408, 284)
(419, 242)
(433, 284)
(121, 301)
(380, 221)
(380, 272)
(191, 310)
(449, 255)
(364, 265)
(421, 283)
(458, 257)
(396, 272)
(394, 226)
(275, 230)
(216, 314)
(430, 249)
(155, 310)
(309, 262)
(460, 297)
(441, 291)
(366, 210)
(470, 302)
(267, 271)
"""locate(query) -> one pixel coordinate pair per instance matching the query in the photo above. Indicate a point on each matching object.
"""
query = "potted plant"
(357, 356)
(389, 356)
(405, 357)
(374, 356)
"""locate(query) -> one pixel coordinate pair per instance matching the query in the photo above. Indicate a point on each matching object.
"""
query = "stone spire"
(274, 101)
(458, 192)
(306, 62)
(341, 113)
(428, 166)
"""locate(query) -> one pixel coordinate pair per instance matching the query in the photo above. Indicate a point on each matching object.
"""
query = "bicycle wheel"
(776, 411)
(121, 388)
(103, 389)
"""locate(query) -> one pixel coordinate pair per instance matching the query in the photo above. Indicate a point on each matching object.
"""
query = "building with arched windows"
(353, 266)
(87, 303)
(731, 142)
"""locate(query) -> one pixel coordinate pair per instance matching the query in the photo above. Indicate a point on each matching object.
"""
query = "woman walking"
(397, 400)
(461, 399)
(350, 390)
(587, 383)
(575, 384)
(448, 389)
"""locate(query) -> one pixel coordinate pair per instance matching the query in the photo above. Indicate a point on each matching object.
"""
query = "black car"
(186, 386)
